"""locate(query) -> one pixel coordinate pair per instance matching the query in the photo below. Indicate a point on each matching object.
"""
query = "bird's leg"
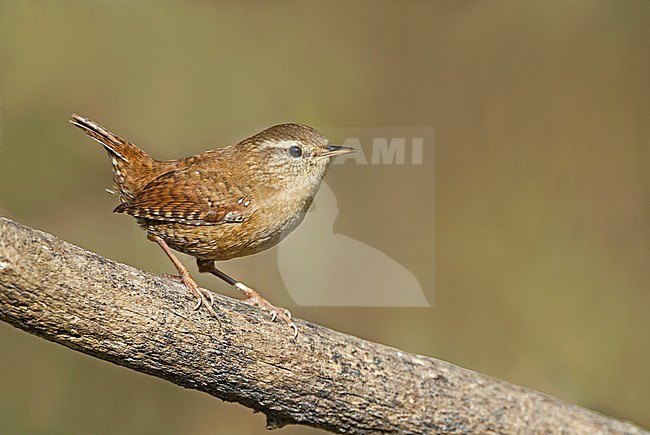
(252, 296)
(185, 277)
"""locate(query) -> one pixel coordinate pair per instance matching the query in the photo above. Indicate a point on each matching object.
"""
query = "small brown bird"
(221, 204)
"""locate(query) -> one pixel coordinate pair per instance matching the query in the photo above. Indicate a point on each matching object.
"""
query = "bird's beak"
(335, 150)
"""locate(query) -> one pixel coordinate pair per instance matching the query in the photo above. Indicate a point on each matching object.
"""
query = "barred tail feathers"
(132, 167)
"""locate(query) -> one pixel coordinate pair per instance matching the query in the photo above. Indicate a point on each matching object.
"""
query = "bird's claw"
(207, 293)
(274, 314)
(203, 295)
(292, 325)
(254, 299)
(208, 301)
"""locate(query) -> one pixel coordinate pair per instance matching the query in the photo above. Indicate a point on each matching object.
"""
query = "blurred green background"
(541, 218)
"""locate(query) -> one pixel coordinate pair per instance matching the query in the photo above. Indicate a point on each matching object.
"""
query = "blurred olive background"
(540, 211)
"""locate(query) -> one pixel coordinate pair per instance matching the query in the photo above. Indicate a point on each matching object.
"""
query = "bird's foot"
(203, 296)
(253, 298)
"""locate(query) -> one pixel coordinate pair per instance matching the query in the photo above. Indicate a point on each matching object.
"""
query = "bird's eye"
(295, 151)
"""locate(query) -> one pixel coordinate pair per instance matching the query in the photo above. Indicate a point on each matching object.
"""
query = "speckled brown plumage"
(221, 204)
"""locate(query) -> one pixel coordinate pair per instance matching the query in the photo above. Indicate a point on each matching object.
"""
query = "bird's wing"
(189, 197)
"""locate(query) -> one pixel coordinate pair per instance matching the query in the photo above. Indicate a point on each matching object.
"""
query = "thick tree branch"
(323, 378)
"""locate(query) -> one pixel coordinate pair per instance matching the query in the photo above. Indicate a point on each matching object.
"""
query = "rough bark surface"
(324, 378)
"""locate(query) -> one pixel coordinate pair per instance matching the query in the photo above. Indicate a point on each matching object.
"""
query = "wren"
(226, 203)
